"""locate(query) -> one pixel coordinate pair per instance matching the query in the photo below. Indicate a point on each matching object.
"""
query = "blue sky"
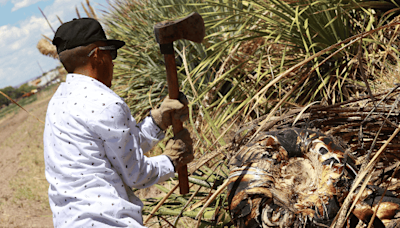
(22, 26)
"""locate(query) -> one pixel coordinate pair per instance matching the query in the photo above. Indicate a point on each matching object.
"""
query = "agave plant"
(259, 57)
(247, 45)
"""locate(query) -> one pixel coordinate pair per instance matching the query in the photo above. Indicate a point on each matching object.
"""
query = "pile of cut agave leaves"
(367, 125)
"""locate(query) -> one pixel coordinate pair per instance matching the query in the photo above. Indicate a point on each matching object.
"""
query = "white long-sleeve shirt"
(93, 151)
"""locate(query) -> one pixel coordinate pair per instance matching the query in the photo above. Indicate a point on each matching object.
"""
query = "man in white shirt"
(93, 147)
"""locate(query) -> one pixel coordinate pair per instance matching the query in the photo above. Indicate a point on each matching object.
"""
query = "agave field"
(259, 61)
(264, 64)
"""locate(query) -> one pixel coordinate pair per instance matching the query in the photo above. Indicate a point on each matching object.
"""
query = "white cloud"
(13, 38)
(23, 69)
(19, 56)
(18, 4)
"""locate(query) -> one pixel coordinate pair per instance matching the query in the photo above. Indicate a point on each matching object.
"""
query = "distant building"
(45, 79)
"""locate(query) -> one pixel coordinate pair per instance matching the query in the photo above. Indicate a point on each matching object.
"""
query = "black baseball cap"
(81, 32)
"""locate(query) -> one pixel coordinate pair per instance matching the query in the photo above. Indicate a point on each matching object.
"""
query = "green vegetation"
(14, 109)
(14, 93)
(259, 57)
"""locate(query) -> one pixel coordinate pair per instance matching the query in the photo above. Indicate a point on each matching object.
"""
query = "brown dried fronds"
(47, 49)
(92, 12)
(77, 12)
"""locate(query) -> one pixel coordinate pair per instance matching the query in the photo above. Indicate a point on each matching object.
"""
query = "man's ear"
(95, 57)
(96, 53)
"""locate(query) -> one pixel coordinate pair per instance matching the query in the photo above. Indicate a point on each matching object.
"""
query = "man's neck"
(90, 73)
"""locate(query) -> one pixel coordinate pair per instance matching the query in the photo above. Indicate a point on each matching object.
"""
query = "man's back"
(93, 147)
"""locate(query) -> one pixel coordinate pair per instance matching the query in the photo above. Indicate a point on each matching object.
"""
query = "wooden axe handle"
(173, 90)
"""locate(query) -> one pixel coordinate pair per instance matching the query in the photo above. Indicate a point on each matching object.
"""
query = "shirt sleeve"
(125, 142)
(150, 134)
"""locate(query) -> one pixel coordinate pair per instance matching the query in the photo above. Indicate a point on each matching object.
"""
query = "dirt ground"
(23, 187)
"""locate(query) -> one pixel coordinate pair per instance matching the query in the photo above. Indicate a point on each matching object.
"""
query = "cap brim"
(117, 43)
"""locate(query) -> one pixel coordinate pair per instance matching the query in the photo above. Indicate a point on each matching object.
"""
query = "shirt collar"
(73, 77)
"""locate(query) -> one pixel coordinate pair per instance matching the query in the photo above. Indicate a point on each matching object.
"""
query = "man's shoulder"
(83, 94)
(91, 90)
(100, 99)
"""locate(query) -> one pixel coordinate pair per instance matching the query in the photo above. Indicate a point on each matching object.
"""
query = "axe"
(189, 28)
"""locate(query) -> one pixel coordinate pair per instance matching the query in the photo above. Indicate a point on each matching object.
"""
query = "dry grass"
(23, 190)
(388, 80)
(46, 48)
(30, 183)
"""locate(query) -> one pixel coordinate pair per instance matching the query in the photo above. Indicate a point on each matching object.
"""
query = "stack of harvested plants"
(319, 166)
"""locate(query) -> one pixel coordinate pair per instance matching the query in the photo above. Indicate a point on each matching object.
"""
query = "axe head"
(188, 28)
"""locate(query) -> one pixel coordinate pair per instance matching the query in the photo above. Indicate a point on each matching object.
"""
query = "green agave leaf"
(247, 45)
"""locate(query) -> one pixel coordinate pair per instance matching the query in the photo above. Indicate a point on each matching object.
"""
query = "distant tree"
(10, 91)
(3, 100)
(14, 93)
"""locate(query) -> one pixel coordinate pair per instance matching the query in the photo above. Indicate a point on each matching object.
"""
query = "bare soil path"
(23, 187)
